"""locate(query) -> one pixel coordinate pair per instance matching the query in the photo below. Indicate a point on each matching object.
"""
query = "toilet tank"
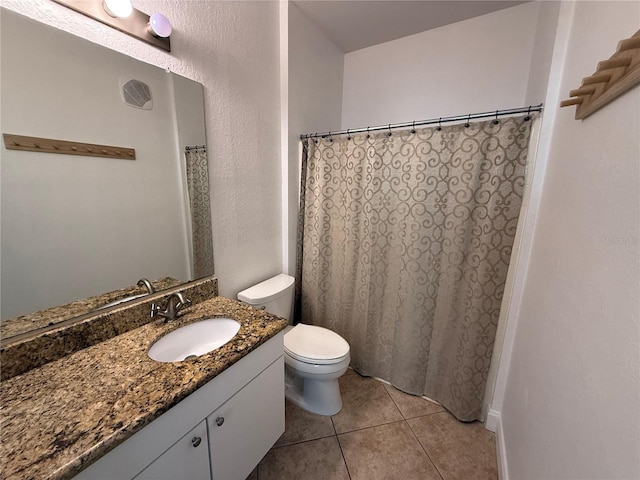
(275, 295)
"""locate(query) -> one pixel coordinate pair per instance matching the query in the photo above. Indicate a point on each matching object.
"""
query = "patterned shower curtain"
(404, 246)
(200, 209)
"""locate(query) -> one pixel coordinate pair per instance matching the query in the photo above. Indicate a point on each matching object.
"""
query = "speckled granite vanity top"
(36, 320)
(59, 418)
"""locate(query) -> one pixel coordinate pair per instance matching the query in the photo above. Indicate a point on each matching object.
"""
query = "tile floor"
(380, 433)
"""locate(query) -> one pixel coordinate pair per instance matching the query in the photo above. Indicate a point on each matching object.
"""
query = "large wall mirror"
(78, 226)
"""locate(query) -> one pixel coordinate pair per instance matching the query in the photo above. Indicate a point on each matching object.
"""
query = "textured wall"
(477, 65)
(571, 402)
(232, 49)
(315, 100)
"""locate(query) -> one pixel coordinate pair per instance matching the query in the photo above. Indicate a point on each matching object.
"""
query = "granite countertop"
(61, 417)
(50, 316)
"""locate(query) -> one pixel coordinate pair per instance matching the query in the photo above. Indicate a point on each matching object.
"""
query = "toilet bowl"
(315, 357)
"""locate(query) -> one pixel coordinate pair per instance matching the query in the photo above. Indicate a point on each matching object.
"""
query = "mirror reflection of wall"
(75, 226)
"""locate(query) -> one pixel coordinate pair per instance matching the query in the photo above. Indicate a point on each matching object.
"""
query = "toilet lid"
(312, 344)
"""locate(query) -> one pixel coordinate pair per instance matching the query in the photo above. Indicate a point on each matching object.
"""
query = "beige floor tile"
(315, 460)
(386, 452)
(460, 451)
(365, 403)
(350, 371)
(412, 406)
(301, 426)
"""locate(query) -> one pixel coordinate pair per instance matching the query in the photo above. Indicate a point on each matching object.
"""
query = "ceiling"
(355, 24)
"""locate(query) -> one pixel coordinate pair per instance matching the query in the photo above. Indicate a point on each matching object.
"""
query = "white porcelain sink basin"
(194, 339)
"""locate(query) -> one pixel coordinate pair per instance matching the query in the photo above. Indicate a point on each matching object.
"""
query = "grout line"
(303, 441)
(371, 426)
(340, 447)
(425, 450)
(394, 402)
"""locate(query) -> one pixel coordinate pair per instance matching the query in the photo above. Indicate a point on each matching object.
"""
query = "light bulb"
(159, 25)
(118, 8)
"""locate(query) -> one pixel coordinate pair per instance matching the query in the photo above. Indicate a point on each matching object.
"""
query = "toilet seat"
(315, 345)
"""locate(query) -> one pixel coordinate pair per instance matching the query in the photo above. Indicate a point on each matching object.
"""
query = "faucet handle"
(182, 302)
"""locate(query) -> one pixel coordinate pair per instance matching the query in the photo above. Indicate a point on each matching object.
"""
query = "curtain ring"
(439, 124)
(389, 127)
(466, 125)
(315, 138)
(330, 137)
(495, 121)
(528, 117)
(413, 127)
(368, 136)
(348, 135)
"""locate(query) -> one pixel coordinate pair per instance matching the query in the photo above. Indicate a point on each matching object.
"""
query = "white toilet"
(314, 357)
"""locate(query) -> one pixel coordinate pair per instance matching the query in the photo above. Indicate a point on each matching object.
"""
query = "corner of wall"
(532, 202)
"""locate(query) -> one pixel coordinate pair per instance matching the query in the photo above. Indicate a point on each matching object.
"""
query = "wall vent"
(137, 94)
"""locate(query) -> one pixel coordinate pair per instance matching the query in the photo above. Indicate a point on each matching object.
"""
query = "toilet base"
(319, 397)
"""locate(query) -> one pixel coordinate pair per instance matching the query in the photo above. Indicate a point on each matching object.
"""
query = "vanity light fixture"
(121, 15)
(159, 25)
(118, 8)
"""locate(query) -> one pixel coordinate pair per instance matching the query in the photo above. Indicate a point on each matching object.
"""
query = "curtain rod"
(458, 118)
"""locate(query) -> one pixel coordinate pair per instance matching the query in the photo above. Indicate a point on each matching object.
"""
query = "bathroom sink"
(194, 339)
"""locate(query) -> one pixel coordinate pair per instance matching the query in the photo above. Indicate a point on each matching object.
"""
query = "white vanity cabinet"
(187, 458)
(221, 431)
(240, 429)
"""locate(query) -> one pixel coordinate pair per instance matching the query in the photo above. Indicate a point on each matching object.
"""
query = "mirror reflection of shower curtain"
(404, 246)
(197, 168)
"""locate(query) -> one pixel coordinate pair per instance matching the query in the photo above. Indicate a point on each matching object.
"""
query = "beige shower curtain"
(200, 209)
(404, 245)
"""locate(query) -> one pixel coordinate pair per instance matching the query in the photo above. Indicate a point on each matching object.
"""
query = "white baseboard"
(493, 419)
(494, 424)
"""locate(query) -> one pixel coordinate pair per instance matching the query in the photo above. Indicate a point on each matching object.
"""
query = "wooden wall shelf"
(612, 78)
(49, 145)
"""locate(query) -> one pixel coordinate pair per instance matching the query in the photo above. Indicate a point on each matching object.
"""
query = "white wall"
(477, 65)
(541, 56)
(570, 409)
(191, 131)
(75, 226)
(232, 49)
(315, 102)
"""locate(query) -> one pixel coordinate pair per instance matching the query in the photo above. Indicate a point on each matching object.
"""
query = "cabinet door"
(187, 459)
(244, 428)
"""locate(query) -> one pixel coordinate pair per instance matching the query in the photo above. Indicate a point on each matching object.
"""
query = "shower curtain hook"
(389, 127)
(348, 135)
(368, 136)
(466, 125)
(439, 124)
(315, 138)
(528, 117)
(495, 122)
(413, 127)
(330, 137)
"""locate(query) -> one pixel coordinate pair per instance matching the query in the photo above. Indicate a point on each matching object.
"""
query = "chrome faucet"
(143, 282)
(175, 303)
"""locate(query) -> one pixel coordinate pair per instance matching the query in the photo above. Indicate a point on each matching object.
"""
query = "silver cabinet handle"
(195, 441)
(219, 421)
